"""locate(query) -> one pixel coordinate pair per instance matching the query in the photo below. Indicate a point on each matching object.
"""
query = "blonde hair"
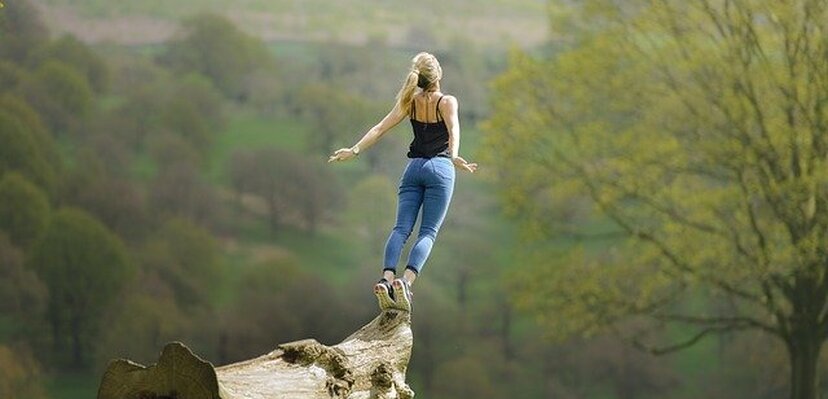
(425, 73)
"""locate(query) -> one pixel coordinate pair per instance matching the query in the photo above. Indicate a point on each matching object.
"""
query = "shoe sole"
(383, 297)
(403, 297)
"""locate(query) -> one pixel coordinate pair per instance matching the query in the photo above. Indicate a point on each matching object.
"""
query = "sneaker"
(385, 294)
(404, 295)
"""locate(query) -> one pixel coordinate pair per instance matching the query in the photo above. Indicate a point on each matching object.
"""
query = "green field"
(497, 23)
(393, 10)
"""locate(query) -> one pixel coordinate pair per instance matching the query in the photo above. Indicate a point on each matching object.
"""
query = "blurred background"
(163, 177)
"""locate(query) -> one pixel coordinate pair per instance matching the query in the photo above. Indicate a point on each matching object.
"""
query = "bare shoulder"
(448, 103)
(450, 99)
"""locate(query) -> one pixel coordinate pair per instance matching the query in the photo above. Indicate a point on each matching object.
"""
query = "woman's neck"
(431, 91)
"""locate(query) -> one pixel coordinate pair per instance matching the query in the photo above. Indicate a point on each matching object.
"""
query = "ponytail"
(425, 73)
(406, 94)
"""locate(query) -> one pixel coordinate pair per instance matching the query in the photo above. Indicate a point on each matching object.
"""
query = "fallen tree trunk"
(371, 363)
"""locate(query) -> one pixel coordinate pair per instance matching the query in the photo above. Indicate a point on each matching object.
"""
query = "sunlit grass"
(249, 130)
(143, 167)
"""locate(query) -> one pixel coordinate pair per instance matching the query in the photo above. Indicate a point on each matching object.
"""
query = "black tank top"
(431, 139)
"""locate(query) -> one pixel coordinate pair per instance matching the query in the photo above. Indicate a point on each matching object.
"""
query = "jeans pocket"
(443, 168)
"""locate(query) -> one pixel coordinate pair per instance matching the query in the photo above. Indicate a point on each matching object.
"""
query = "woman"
(428, 180)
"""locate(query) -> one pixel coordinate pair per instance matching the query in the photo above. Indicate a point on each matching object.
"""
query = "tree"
(186, 258)
(22, 297)
(334, 114)
(290, 185)
(274, 306)
(316, 194)
(97, 186)
(212, 46)
(24, 209)
(20, 375)
(60, 94)
(181, 117)
(11, 75)
(199, 91)
(371, 211)
(464, 377)
(179, 190)
(85, 267)
(21, 151)
(143, 322)
(70, 51)
(169, 149)
(694, 131)
(21, 30)
(33, 125)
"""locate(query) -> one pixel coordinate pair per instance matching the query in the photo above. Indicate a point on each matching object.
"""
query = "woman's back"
(431, 136)
(425, 107)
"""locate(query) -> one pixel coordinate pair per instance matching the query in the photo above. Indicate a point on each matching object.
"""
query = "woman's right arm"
(394, 117)
(450, 108)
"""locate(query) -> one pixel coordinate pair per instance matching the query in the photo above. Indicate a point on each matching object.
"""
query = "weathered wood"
(369, 364)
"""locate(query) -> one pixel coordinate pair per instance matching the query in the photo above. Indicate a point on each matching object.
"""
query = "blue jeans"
(426, 183)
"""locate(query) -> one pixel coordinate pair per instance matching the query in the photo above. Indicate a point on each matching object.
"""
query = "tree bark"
(369, 364)
(803, 353)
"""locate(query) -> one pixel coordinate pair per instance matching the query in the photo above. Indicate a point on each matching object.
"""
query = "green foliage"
(212, 46)
(185, 257)
(181, 116)
(20, 375)
(204, 97)
(85, 267)
(170, 149)
(274, 305)
(11, 75)
(21, 30)
(464, 377)
(70, 51)
(136, 117)
(371, 210)
(24, 209)
(138, 168)
(21, 151)
(33, 124)
(335, 115)
(467, 68)
(142, 324)
(185, 113)
(192, 110)
(61, 95)
(291, 186)
(22, 297)
(179, 190)
(247, 130)
(96, 186)
(692, 132)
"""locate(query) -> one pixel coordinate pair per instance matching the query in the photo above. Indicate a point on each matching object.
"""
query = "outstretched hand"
(462, 164)
(342, 154)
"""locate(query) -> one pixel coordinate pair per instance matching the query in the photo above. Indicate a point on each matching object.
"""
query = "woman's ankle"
(410, 275)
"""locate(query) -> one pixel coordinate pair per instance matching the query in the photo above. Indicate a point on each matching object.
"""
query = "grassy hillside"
(497, 23)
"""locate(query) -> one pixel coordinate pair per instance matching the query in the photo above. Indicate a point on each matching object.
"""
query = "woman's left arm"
(450, 108)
